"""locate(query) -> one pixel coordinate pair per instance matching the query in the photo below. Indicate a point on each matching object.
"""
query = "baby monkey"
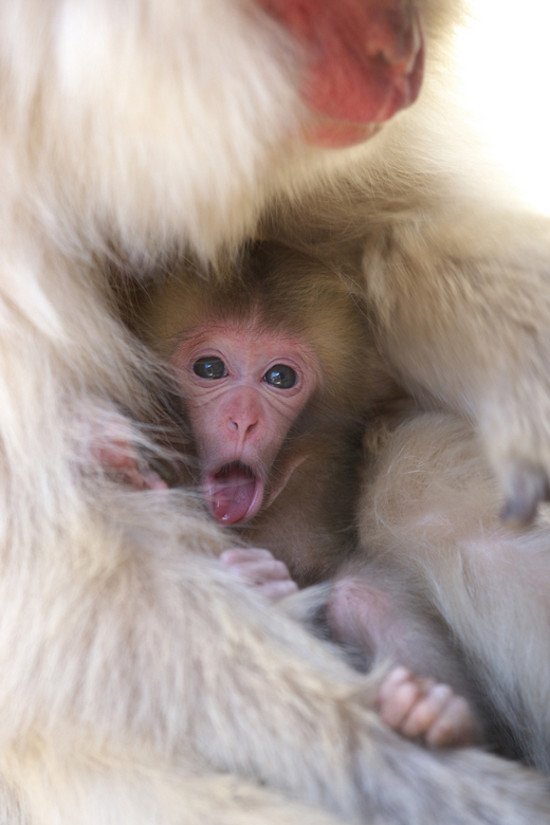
(278, 374)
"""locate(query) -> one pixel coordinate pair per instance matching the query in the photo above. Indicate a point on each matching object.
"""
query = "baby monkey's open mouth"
(234, 492)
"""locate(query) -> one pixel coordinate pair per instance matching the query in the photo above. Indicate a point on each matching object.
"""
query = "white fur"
(138, 681)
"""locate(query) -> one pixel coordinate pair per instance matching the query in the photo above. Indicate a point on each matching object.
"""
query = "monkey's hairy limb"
(145, 791)
(476, 335)
(430, 510)
(461, 315)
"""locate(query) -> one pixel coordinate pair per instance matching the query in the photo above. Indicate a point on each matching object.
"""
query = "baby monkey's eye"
(210, 367)
(281, 376)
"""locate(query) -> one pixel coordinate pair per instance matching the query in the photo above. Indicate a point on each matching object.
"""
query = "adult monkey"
(140, 684)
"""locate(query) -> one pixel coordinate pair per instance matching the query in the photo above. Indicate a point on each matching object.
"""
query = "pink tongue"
(230, 497)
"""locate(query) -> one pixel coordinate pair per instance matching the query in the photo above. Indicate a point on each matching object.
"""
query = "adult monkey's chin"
(337, 134)
(364, 62)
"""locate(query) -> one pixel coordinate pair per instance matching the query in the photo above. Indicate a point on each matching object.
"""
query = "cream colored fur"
(139, 684)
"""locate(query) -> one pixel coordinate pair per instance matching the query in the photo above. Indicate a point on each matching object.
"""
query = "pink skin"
(240, 420)
(261, 570)
(113, 444)
(363, 62)
(418, 708)
(421, 708)
(121, 460)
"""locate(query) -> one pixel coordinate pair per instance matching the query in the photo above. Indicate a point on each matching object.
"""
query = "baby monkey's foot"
(421, 708)
(260, 569)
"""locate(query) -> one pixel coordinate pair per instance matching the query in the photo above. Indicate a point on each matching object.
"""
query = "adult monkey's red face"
(364, 62)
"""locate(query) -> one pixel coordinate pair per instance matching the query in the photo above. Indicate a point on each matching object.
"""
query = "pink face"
(244, 386)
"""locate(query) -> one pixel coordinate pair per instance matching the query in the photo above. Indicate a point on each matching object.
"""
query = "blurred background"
(504, 61)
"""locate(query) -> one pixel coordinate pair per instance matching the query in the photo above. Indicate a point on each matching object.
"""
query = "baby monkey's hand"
(258, 568)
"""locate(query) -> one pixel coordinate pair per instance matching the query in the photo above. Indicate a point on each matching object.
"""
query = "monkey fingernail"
(396, 676)
(528, 486)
